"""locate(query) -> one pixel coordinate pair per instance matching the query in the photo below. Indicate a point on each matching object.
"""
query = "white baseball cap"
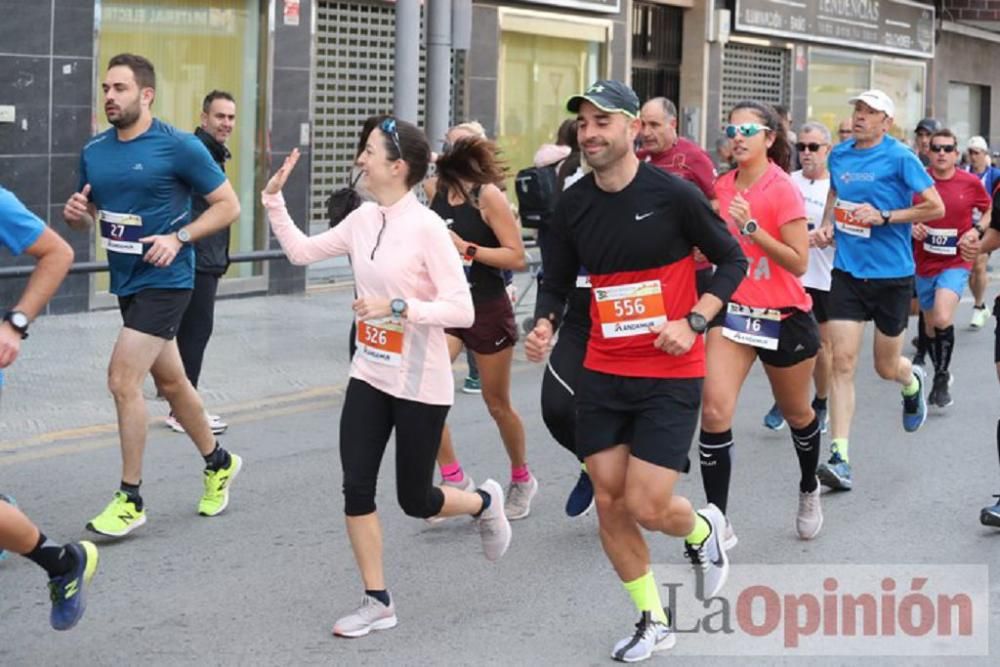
(978, 144)
(877, 100)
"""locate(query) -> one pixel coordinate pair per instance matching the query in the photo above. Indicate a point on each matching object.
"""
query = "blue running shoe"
(69, 592)
(915, 407)
(835, 473)
(990, 516)
(774, 420)
(581, 498)
(10, 501)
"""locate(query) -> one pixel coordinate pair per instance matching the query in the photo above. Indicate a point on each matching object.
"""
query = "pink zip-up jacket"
(411, 258)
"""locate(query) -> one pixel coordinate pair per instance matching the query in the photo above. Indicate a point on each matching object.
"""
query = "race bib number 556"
(629, 310)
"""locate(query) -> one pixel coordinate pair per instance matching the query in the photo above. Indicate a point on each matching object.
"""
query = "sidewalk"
(262, 347)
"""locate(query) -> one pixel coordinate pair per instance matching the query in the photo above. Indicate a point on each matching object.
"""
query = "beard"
(609, 157)
(127, 116)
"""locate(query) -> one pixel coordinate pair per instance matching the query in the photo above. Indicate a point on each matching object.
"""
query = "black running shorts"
(885, 300)
(156, 312)
(821, 304)
(798, 339)
(494, 328)
(656, 417)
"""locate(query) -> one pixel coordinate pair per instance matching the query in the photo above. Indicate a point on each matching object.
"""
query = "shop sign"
(605, 6)
(893, 26)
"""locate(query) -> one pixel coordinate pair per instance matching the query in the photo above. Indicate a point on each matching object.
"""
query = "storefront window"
(965, 111)
(903, 82)
(833, 79)
(538, 74)
(196, 46)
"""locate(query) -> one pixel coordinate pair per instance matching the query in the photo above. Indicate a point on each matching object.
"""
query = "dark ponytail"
(780, 151)
(470, 160)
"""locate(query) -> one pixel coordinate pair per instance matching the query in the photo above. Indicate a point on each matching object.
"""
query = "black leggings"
(559, 386)
(366, 422)
(197, 323)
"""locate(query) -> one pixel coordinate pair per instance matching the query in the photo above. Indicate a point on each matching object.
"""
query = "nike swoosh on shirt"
(643, 216)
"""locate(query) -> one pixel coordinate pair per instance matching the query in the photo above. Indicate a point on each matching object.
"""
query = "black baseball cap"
(929, 125)
(607, 95)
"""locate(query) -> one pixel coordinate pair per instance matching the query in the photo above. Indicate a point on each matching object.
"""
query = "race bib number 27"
(629, 310)
(120, 232)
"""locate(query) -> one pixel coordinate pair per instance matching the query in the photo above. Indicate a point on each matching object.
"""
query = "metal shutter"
(754, 73)
(353, 80)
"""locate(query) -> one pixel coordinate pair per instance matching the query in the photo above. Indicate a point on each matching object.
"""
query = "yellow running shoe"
(119, 518)
(217, 483)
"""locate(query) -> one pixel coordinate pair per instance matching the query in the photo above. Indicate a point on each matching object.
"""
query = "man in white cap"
(981, 166)
(869, 212)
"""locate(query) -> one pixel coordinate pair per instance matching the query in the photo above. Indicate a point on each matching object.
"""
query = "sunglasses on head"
(812, 147)
(942, 148)
(745, 129)
(388, 126)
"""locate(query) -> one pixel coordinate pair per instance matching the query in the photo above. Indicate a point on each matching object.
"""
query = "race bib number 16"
(629, 310)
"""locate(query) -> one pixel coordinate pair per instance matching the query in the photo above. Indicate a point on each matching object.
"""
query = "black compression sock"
(487, 499)
(923, 340)
(382, 596)
(716, 466)
(807, 445)
(51, 557)
(218, 459)
(819, 403)
(132, 492)
(944, 343)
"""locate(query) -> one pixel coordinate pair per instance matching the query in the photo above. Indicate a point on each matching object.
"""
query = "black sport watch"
(697, 322)
(885, 216)
(18, 321)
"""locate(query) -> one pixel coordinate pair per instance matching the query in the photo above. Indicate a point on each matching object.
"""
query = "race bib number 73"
(629, 310)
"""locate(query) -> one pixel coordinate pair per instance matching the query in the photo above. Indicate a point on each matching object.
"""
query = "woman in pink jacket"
(410, 286)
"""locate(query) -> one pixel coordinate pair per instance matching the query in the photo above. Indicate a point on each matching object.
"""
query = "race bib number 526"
(629, 310)
(381, 341)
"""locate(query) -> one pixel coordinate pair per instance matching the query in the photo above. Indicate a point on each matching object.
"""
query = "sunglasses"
(973, 151)
(812, 147)
(388, 126)
(746, 129)
(940, 148)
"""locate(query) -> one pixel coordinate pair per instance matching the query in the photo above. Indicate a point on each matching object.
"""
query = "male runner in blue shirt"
(136, 181)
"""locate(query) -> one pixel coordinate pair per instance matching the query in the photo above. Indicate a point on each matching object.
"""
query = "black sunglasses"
(813, 147)
(939, 148)
(389, 127)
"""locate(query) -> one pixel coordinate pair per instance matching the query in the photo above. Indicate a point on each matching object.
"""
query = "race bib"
(629, 310)
(941, 241)
(381, 341)
(120, 232)
(843, 218)
(757, 327)
(583, 281)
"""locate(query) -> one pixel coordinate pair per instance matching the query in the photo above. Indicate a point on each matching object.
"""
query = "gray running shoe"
(519, 495)
(494, 527)
(809, 519)
(709, 558)
(650, 636)
(467, 484)
(371, 615)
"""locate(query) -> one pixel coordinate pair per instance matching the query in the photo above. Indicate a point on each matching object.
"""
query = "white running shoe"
(494, 527)
(709, 558)
(650, 636)
(809, 518)
(371, 615)
(519, 495)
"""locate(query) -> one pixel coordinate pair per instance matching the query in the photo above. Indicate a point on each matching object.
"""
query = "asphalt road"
(263, 583)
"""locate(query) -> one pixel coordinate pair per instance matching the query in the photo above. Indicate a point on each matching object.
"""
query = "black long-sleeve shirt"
(628, 241)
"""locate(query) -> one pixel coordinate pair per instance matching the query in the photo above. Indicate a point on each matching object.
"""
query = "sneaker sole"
(381, 624)
(775, 428)
(585, 512)
(465, 390)
(987, 518)
(665, 644)
(828, 479)
(527, 510)
(141, 521)
(232, 478)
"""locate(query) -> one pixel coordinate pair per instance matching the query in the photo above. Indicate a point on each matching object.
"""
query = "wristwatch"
(18, 321)
(183, 235)
(697, 322)
(750, 227)
(885, 216)
(470, 250)
(398, 307)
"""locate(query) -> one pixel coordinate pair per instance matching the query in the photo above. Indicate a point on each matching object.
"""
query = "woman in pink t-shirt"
(410, 286)
(769, 316)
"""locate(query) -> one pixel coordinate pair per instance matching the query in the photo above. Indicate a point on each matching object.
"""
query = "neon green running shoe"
(119, 518)
(217, 483)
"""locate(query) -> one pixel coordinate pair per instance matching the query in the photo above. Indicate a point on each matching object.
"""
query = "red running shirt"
(961, 193)
(774, 201)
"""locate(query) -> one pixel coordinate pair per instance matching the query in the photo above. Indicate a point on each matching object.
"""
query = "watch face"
(19, 320)
(183, 235)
